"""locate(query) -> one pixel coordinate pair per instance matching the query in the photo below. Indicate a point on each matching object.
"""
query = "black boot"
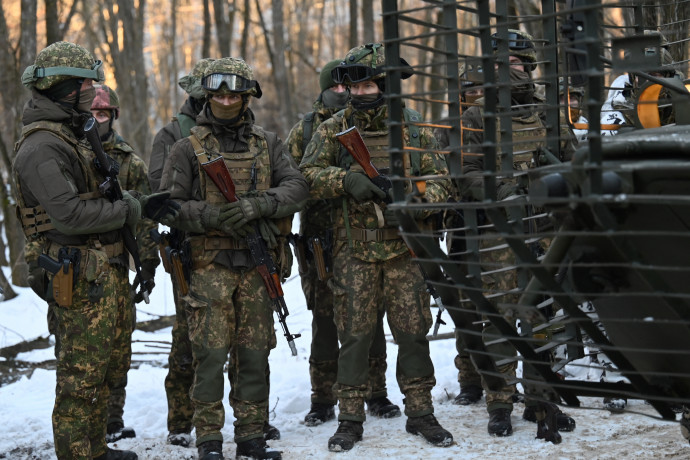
(271, 433)
(499, 423)
(382, 407)
(469, 394)
(113, 454)
(319, 413)
(210, 450)
(117, 431)
(180, 438)
(564, 421)
(428, 427)
(345, 437)
(255, 449)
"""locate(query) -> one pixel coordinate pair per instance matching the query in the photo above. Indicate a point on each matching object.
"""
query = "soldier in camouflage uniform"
(228, 307)
(529, 134)
(180, 375)
(65, 218)
(132, 176)
(373, 272)
(315, 228)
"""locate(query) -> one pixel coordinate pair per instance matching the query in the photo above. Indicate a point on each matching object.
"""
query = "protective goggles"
(353, 73)
(515, 41)
(234, 82)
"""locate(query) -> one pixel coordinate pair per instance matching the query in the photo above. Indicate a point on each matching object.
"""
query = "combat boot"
(180, 438)
(271, 433)
(211, 450)
(319, 413)
(113, 454)
(256, 449)
(428, 427)
(499, 423)
(469, 394)
(617, 404)
(345, 437)
(117, 431)
(564, 421)
(382, 407)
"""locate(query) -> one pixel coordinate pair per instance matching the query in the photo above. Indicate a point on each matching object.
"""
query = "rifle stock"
(111, 189)
(218, 172)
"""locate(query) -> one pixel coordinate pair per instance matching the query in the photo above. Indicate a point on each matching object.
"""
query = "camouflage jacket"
(325, 164)
(53, 169)
(316, 217)
(132, 176)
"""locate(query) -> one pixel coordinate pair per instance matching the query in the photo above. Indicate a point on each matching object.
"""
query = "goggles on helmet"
(515, 41)
(354, 73)
(234, 82)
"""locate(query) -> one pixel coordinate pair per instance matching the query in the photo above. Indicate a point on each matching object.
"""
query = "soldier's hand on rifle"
(159, 207)
(133, 210)
(361, 187)
(249, 209)
(148, 272)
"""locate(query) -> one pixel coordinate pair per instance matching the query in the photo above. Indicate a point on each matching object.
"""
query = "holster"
(65, 278)
(163, 249)
(300, 251)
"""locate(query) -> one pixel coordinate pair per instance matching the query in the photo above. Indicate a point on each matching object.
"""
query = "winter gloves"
(361, 187)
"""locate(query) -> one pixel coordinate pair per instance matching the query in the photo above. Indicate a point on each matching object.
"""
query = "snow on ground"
(26, 405)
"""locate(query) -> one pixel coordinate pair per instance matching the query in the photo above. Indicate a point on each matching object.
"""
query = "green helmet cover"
(61, 61)
(192, 83)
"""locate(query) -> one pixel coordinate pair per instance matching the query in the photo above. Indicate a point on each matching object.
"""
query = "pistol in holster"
(321, 249)
(162, 240)
(176, 259)
(65, 272)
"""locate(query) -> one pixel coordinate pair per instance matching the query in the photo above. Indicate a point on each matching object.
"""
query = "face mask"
(226, 112)
(333, 100)
(521, 86)
(86, 97)
(367, 101)
(104, 130)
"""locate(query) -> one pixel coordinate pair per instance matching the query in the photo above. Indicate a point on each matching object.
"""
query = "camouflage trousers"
(323, 361)
(362, 292)
(94, 354)
(180, 375)
(118, 393)
(229, 311)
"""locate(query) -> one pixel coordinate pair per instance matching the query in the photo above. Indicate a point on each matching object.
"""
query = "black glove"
(148, 273)
(159, 206)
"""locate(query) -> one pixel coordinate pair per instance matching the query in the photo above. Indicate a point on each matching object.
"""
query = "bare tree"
(245, 28)
(368, 31)
(55, 30)
(206, 47)
(223, 31)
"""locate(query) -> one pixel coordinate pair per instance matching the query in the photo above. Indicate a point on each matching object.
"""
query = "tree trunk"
(368, 30)
(354, 38)
(282, 78)
(223, 32)
(206, 43)
(244, 42)
(52, 22)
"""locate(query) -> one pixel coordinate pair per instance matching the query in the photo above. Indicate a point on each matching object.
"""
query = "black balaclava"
(333, 100)
(521, 86)
(370, 101)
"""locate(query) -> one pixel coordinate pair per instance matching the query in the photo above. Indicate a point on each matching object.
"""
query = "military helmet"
(325, 79)
(230, 75)
(106, 99)
(520, 44)
(471, 74)
(192, 83)
(61, 61)
(365, 62)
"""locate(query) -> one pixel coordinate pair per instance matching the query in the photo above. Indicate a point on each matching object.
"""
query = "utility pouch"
(177, 269)
(321, 258)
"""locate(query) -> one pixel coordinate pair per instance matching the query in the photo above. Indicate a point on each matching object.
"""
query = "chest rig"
(34, 219)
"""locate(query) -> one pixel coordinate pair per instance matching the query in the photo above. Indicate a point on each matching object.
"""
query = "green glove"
(360, 187)
(210, 217)
(159, 207)
(246, 210)
(268, 231)
(133, 210)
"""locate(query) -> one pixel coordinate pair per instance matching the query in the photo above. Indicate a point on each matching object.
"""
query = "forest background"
(147, 45)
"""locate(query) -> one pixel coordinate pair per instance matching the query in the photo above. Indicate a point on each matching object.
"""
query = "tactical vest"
(118, 143)
(250, 171)
(34, 219)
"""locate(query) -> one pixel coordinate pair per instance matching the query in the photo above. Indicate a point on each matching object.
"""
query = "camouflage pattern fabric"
(362, 293)
(467, 373)
(228, 311)
(315, 219)
(86, 361)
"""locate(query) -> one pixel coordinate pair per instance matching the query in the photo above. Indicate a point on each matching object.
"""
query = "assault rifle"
(354, 144)
(218, 172)
(112, 190)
